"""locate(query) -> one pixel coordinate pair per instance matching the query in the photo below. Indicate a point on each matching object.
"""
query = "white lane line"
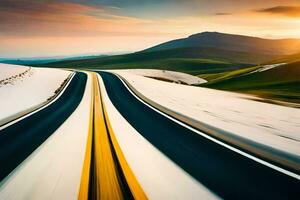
(37, 110)
(279, 169)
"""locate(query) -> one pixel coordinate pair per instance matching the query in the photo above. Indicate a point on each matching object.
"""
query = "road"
(106, 174)
(20, 139)
(225, 172)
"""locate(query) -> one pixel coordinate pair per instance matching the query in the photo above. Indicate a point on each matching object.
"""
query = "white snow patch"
(53, 171)
(30, 91)
(8, 71)
(273, 125)
(177, 77)
(267, 67)
(159, 176)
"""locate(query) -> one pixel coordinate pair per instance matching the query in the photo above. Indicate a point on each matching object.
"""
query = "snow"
(269, 124)
(11, 70)
(159, 176)
(29, 91)
(177, 77)
(267, 67)
(53, 171)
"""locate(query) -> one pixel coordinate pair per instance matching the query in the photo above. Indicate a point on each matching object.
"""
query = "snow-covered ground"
(267, 67)
(272, 125)
(9, 71)
(28, 90)
(53, 171)
(159, 176)
(177, 77)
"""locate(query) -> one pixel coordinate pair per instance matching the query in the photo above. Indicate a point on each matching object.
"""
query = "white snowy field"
(177, 77)
(8, 71)
(272, 125)
(30, 90)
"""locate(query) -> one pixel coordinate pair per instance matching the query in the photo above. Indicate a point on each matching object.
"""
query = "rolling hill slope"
(201, 53)
(190, 60)
(233, 43)
(281, 83)
(286, 59)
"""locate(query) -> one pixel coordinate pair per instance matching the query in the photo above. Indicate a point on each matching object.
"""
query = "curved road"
(20, 139)
(225, 172)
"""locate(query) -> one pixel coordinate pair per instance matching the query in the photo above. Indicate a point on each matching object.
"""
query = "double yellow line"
(106, 174)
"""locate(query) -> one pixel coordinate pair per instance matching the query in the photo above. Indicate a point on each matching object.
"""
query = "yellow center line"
(84, 184)
(106, 173)
(132, 182)
(101, 176)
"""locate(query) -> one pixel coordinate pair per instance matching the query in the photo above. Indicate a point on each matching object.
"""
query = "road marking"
(84, 183)
(38, 109)
(132, 182)
(108, 186)
(279, 169)
(101, 178)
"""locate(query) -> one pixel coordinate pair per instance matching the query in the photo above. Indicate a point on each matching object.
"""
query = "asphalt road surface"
(20, 139)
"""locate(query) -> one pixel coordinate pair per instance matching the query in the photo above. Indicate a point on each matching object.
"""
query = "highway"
(105, 171)
(20, 139)
(225, 172)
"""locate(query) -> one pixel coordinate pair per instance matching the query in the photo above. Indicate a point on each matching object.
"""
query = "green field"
(286, 59)
(280, 83)
(215, 77)
(190, 60)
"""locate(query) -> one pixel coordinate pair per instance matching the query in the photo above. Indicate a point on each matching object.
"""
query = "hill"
(286, 59)
(190, 60)
(233, 43)
(280, 83)
(202, 53)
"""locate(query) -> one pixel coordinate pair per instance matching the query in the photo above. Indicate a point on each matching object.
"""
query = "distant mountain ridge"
(40, 61)
(202, 53)
(233, 42)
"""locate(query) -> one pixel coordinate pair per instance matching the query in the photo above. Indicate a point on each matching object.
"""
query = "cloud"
(222, 13)
(24, 17)
(289, 11)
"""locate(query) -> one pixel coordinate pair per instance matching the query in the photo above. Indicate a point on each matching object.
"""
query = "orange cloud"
(289, 11)
(68, 19)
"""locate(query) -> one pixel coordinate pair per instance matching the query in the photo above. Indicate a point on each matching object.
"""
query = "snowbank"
(8, 71)
(53, 171)
(169, 76)
(267, 67)
(272, 125)
(29, 90)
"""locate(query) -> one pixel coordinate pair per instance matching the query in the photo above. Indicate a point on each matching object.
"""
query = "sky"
(40, 28)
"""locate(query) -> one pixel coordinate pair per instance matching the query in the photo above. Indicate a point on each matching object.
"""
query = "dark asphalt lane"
(19, 140)
(227, 173)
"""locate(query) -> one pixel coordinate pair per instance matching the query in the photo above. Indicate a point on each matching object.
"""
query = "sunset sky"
(74, 27)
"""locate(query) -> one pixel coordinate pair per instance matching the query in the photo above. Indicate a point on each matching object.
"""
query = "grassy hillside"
(190, 60)
(215, 77)
(281, 83)
(286, 59)
(233, 42)
(203, 53)
(224, 60)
